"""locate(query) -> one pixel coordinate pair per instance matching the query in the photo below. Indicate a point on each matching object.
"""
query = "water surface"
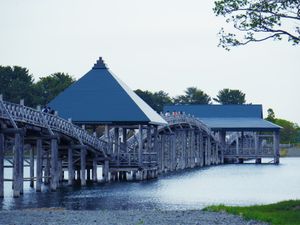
(245, 184)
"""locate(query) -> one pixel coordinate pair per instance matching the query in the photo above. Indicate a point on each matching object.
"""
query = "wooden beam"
(54, 165)
(83, 166)
(70, 166)
(2, 140)
(94, 173)
(31, 167)
(140, 140)
(16, 170)
(39, 165)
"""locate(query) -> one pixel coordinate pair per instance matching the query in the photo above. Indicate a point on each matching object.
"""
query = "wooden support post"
(82, 166)
(71, 172)
(47, 168)
(88, 174)
(105, 171)
(59, 171)
(276, 142)
(95, 177)
(116, 140)
(21, 165)
(202, 151)
(162, 154)
(16, 169)
(155, 144)
(256, 147)
(237, 147)
(184, 154)
(124, 144)
(140, 140)
(2, 140)
(149, 145)
(193, 149)
(223, 145)
(173, 152)
(39, 164)
(54, 165)
(109, 143)
(32, 167)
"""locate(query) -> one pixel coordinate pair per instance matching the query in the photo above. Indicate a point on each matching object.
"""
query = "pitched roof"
(100, 97)
(227, 117)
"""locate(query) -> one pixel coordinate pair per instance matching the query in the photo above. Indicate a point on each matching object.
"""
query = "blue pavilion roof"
(227, 117)
(100, 97)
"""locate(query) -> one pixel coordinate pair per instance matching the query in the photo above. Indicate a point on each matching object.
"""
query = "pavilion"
(241, 128)
(100, 98)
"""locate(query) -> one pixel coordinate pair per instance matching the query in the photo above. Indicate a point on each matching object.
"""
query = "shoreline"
(58, 216)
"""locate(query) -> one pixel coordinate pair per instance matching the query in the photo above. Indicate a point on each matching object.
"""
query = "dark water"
(227, 184)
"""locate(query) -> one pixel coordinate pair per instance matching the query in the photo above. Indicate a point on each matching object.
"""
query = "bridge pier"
(105, 171)
(276, 142)
(83, 166)
(2, 146)
(54, 165)
(17, 171)
(39, 164)
(31, 167)
(71, 171)
(94, 170)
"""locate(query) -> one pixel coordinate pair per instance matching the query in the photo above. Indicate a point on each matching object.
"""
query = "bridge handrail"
(172, 120)
(24, 114)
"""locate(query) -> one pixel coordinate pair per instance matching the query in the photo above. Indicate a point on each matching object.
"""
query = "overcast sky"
(155, 45)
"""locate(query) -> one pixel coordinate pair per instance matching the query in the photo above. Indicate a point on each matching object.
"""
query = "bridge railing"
(23, 114)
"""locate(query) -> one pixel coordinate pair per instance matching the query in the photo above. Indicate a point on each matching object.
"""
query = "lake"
(241, 184)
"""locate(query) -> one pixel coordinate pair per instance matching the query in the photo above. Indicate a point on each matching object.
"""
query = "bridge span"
(53, 147)
(134, 142)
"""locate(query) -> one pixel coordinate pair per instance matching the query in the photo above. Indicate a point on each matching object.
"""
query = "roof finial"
(99, 64)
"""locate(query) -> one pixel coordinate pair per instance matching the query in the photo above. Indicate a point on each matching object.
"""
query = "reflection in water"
(194, 189)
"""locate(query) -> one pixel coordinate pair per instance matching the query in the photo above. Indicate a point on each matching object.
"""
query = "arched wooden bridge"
(138, 152)
(59, 145)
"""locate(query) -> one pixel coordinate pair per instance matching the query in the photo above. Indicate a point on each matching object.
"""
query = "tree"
(271, 115)
(161, 99)
(16, 83)
(289, 132)
(156, 100)
(257, 21)
(229, 96)
(50, 86)
(193, 96)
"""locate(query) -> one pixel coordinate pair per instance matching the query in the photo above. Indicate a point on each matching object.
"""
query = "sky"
(151, 45)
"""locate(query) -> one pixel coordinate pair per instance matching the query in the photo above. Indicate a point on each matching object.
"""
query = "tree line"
(192, 95)
(17, 83)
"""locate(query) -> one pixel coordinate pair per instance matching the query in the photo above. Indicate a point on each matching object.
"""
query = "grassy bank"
(281, 213)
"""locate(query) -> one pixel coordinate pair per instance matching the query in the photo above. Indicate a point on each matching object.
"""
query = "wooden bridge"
(137, 143)
(125, 153)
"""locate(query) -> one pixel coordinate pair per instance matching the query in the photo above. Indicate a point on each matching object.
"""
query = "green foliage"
(271, 116)
(193, 96)
(156, 100)
(257, 21)
(229, 96)
(49, 87)
(282, 213)
(16, 83)
(289, 132)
